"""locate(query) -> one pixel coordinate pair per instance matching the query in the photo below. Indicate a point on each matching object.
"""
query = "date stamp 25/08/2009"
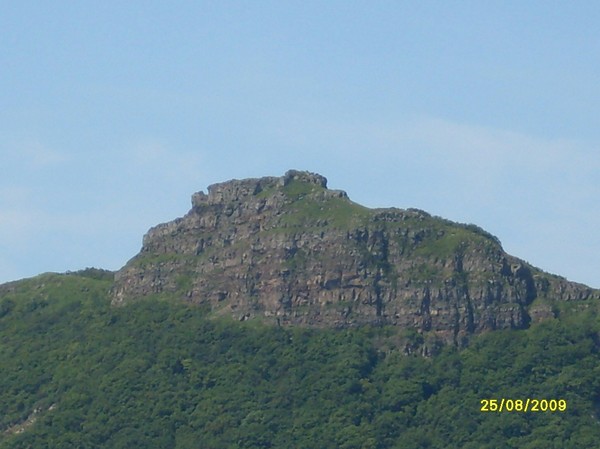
(523, 405)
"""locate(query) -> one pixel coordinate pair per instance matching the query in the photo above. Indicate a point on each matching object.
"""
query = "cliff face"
(288, 249)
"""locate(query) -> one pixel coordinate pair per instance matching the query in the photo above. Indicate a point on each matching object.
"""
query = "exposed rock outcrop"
(292, 251)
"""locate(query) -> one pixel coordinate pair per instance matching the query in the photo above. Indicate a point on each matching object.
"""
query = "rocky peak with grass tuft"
(288, 250)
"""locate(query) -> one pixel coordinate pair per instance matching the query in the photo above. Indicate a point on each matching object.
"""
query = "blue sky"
(114, 113)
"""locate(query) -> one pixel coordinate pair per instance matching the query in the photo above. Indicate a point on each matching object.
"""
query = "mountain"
(278, 313)
(288, 250)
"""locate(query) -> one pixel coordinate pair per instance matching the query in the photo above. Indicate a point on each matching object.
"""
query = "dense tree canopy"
(76, 372)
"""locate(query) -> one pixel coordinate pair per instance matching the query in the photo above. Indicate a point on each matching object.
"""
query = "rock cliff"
(289, 250)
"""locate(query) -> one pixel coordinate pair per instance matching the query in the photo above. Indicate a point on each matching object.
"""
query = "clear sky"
(113, 113)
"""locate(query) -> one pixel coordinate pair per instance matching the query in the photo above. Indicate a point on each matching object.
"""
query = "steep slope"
(289, 250)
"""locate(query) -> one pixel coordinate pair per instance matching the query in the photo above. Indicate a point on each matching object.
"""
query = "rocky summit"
(291, 251)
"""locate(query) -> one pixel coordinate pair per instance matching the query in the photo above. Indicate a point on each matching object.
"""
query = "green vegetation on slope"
(160, 374)
(312, 205)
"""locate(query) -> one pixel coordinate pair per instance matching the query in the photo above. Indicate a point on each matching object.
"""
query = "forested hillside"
(77, 372)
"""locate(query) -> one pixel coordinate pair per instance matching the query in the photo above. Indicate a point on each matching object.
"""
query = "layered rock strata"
(289, 250)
